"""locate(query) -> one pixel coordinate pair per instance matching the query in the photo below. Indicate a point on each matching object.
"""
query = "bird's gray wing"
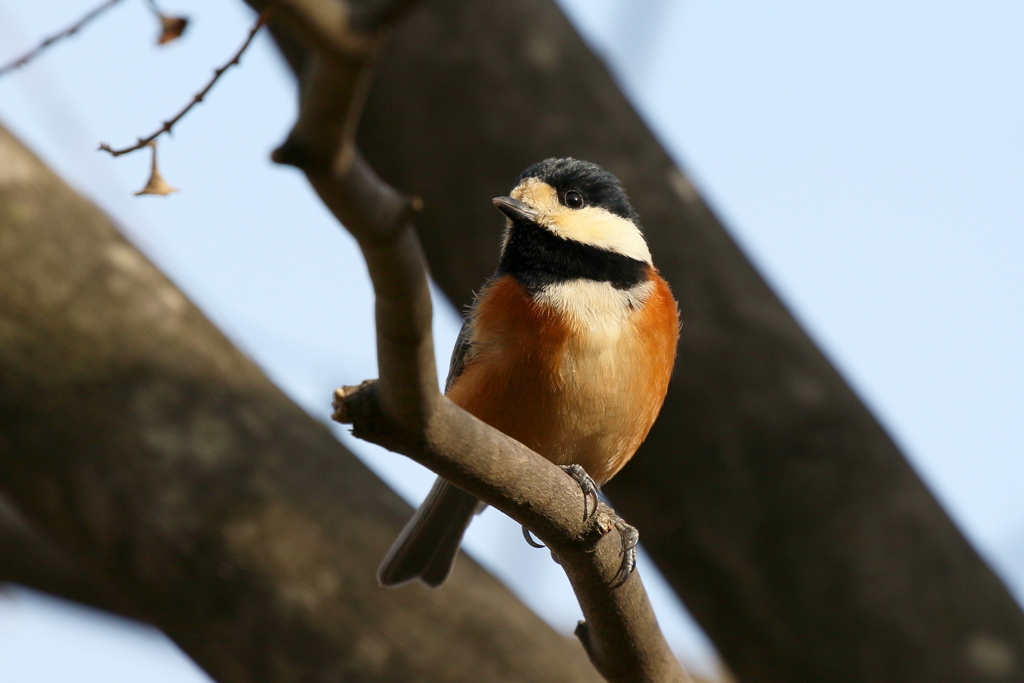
(458, 361)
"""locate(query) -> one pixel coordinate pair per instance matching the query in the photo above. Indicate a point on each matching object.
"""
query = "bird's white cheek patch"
(600, 228)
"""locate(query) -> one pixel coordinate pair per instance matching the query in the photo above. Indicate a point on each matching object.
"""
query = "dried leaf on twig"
(156, 183)
(171, 28)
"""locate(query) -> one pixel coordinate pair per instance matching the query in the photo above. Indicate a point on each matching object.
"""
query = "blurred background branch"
(48, 42)
(29, 560)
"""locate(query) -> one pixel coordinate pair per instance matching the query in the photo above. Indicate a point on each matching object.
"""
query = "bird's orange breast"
(578, 373)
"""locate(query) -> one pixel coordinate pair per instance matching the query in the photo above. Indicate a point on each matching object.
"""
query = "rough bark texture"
(157, 457)
(767, 493)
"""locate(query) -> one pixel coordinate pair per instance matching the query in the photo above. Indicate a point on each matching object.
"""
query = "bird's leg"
(587, 485)
(630, 538)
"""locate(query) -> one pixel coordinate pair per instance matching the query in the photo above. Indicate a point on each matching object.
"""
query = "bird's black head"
(571, 219)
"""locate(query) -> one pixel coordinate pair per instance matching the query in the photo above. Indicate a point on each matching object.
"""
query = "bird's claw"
(537, 544)
(587, 485)
(529, 539)
(630, 539)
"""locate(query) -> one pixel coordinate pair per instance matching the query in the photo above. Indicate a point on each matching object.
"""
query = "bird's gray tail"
(427, 547)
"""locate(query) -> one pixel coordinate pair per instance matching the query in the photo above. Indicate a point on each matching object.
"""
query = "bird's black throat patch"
(537, 257)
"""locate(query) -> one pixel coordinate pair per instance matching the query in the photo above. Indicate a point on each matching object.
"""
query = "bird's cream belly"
(589, 413)
(600, 421)
(596, 419)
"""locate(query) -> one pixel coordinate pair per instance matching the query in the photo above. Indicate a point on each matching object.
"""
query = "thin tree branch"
(403, 410)
(217, 73)
(69, 31)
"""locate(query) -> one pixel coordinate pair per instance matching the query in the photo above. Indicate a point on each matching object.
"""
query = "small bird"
(568, 348)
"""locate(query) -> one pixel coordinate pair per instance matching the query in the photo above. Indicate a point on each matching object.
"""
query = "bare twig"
(69, 31)
(169, 124)
(403, 410)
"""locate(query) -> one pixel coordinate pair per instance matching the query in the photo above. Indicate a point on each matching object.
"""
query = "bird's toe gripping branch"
(630, 539)
(532, 543)
(589, 488)
(587, 485)
(628, 534)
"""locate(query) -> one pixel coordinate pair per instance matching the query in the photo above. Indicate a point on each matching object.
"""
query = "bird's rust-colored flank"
(574, 387)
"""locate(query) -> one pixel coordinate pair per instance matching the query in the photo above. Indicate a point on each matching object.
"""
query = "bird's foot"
(630, 538)
(587, 485)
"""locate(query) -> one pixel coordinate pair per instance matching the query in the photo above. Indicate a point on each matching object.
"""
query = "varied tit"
(568, 348)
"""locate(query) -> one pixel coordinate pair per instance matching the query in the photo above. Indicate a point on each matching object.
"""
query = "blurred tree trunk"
(27, 559)
(769, 496)
(159, 460)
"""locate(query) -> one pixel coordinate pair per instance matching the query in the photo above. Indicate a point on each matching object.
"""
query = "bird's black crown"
(598, 186)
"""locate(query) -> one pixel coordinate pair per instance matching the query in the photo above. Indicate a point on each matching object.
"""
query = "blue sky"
(867, 157)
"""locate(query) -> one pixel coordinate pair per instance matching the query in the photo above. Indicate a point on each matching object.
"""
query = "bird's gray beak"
(515, 209)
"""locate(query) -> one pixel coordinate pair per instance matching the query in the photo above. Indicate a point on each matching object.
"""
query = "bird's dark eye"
(574, 200)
